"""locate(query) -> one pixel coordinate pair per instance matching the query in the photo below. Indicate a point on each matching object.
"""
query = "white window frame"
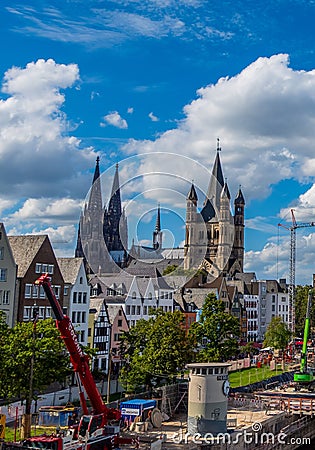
(28, 290)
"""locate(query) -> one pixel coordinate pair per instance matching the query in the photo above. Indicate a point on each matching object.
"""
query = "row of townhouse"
(117, 302)
(254, 302)
(23, 259)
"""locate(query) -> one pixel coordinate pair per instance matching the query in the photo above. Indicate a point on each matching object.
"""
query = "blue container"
(134, 408)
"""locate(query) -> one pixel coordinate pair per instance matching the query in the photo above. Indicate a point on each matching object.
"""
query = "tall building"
(214, 237)
(103, 233)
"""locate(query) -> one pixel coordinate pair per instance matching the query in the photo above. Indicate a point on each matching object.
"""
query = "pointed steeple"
(225, 191)
(216, 184)
(158, 220)
(97, 169)
(239, 199)
(115, 186)
(192, 195)
(95, 199)
(157, 233)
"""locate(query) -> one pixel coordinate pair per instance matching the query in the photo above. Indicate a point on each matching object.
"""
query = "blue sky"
(121, 78)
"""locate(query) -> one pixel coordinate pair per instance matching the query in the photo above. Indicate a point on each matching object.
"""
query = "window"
(38, 268)
(133, 310)
(150, 296)
(138, 310)
(128, 309)
(3, 274)
(145, 310)
(48, 312)
(65, 290)
(44, 268)
(42, 312)
(83, 316)
(82, 335)
(28, 291)
(134, 295)
(6, 297)
(78, 316)
(35, 291)
(26, 313)
(41, 292)
(117, 336)
(89, 332)
(84, 297)
(75, 297)
(80, 297)
(73, 317)
(50, 269)
(81, 280)
(1, 252)
(119, 323)
(57, 291)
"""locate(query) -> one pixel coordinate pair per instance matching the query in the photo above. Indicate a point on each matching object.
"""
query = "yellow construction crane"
(292, 230)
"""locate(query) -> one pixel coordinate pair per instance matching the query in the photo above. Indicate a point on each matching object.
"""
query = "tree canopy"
(301, 296)
(277, 334)
(217, 332)
(26, 345)
(154, 349)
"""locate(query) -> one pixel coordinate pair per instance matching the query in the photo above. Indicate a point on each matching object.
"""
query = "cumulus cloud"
(48, 210)
(114, 119)
(34, 133)
(264, 117)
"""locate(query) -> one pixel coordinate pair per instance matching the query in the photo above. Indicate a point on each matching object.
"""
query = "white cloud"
(48, 210)
(264, 117)
(153, 117)
(34, 133)
(115, 120)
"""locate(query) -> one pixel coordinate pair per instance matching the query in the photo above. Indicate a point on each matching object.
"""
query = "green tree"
(217, 332)
(277, 334)
(154, 349)
(301, 296)
(32, 356)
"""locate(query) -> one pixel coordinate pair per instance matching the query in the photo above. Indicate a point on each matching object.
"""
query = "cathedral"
(214, 239)
(103, 233)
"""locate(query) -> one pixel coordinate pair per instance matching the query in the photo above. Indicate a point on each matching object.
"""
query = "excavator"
(98, 430)
(305, 377)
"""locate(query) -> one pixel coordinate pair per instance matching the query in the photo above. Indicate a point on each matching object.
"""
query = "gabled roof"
(70, 268)
(24, 249)
(112, 311)
(96, 304)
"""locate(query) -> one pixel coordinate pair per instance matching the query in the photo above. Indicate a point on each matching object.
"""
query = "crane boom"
(78, 358)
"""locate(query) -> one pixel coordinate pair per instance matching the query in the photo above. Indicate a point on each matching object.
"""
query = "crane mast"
(291, 288)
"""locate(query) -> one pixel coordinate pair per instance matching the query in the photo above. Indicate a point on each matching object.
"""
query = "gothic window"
(134, 295)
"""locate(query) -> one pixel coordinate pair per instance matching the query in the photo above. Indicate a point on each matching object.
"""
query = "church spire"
(95, 199)
(157, 233)
(211, 204)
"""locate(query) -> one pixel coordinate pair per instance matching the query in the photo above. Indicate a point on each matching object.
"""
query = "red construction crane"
(98, 430)
(292, 230)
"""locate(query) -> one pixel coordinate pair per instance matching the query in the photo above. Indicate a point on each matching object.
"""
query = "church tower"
(115, 225)
(90, 242)
(218, 236)
(102, 233)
